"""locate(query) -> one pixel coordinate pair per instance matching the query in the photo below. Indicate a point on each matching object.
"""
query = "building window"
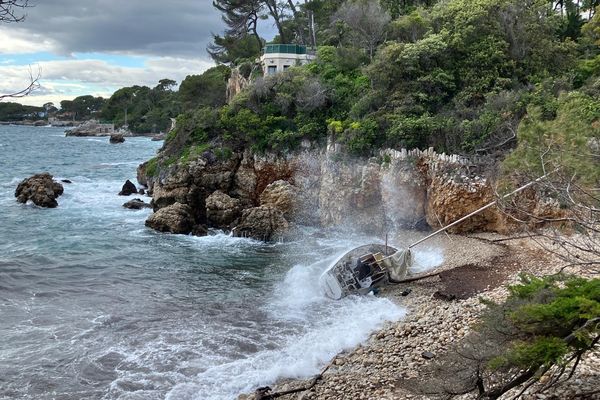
(272, 69)
(285, 67)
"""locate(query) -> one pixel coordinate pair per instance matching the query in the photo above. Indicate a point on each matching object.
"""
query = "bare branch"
(33, 85)
(11, 10)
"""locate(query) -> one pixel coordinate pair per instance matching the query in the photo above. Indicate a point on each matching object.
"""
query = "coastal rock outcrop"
(128, 189)
(324, 187)
(176, 218)
(262, 223)
(222, 210)
(283, 196)
(116, 138)
(136, 204)
(41, 189)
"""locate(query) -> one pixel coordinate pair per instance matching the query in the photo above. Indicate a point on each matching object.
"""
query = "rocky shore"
(386, 366)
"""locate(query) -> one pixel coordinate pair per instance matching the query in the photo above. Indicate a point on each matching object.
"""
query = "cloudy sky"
(97, 46)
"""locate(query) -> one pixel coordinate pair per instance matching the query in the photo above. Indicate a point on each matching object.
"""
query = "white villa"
(279, 57)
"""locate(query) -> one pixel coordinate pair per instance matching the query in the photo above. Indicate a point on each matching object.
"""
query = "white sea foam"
(427, 259)
(324, 328)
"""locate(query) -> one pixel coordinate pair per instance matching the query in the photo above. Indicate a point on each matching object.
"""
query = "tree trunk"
(272, 6)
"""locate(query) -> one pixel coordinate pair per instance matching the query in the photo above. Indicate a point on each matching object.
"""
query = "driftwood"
(264, 393)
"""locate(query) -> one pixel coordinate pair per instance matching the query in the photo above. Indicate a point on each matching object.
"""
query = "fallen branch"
(264, 393)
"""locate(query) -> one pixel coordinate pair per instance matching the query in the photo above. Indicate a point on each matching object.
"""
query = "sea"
(94, 305)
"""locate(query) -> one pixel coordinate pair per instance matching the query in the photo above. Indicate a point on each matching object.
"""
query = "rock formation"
(396, 190)
(176, 218)
(235, 84)
(128, 189)
(222, 210)
(283, 196)
(41, 189)
(116, 138)
(262, 223)
(136, 204)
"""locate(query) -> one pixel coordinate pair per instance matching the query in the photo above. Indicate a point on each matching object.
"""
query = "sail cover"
(398, 264)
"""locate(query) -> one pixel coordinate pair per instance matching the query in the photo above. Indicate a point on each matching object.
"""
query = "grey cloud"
(146, 27)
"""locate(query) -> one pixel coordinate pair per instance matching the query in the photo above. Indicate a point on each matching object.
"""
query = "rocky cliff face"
(262, 196)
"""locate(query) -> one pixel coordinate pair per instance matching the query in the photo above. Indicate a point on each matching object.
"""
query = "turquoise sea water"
(93, 305)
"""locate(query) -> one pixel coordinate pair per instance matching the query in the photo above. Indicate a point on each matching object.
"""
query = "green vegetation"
(18, 112)
(456, 75)
(544, 322)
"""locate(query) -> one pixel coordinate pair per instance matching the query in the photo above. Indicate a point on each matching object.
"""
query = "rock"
(176, 218)
(136, 204)
(221, 209)
(41, 189)
(66, 181)
(128, 189)
(262, 223)
(406, 292)
(116, 138)
(427, 355)
(283, 196)
(141, 191)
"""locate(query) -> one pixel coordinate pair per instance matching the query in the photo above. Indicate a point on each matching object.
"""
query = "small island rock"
(41, 189)
(136, 204)
(116, 138)
(128, 189)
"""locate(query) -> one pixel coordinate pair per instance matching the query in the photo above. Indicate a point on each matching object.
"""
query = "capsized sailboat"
(365, 268)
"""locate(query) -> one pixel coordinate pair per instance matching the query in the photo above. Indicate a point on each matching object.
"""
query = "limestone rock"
(128, 189)
(283, 196)
(176, 218)
(262, 223)
(41, 189)
(221, 209)
(116, 138)
(136, 204)
(450, 198)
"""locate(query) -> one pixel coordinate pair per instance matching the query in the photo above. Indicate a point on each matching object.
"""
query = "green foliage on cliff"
(457, 75)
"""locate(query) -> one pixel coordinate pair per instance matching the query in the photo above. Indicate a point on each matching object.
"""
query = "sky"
(98, 46)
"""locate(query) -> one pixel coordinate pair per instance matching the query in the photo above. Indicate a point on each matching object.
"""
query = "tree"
(207, 89)
(367, 22)
(83, 107)
(231, 50)
(241, 17)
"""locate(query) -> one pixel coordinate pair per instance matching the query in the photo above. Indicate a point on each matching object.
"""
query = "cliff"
(323, 187)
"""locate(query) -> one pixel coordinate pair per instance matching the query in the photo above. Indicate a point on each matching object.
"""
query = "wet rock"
(222, 210)
(142, 191)
(427, 355)
(116, 138)
(283, 196)
(128, 189)
(406, 292)
(262, 223)
(176, 218)
(136, 204)
(66, 181)
(41, 189)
